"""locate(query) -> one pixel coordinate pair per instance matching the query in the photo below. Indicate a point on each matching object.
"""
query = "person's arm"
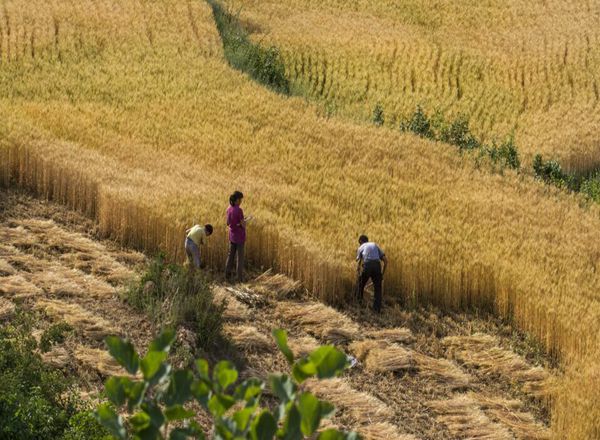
(385, 263)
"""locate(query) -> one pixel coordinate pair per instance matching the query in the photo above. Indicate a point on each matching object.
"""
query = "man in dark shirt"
(369, 257)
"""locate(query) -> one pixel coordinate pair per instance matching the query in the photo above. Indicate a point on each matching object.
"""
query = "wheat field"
(128, 112)
(528, 68)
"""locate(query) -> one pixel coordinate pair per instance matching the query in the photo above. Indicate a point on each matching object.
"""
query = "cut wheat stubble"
(483, 354)
(320, 320)
(465, 420)
(85, 322)
(248, 338)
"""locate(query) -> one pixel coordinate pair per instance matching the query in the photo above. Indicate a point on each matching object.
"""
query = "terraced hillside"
(419, 375)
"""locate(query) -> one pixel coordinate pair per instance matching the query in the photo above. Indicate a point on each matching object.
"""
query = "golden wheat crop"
(528, 67)
(127, 111)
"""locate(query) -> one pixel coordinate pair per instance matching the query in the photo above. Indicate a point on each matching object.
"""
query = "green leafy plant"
(419, 124)
(55, 334)
(158, 404)
(378, 116)
(37, 401)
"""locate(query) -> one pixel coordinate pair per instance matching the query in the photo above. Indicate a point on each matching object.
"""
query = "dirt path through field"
(418, 375)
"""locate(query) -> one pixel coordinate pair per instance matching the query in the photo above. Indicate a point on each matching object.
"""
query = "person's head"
(208, 229)
(363, 239)
(236, 198)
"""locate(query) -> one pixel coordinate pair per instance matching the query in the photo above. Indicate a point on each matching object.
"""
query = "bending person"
(369, 258)
(237, 235)
(196, 237)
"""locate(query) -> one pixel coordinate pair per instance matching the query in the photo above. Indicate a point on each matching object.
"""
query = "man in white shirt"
(369, 257)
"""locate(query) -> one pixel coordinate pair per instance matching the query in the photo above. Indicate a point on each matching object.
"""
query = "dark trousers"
(235, 249)
(371, 270)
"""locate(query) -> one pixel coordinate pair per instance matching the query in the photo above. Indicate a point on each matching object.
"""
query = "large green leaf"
(203, 370)
(225, 374)
(115, 390)
(124, 353)
(135, 393)
(219, 403)
(281, 340)
(151, 364)
(263, 427)
(310, 412)
(178, 412)
(334, 434)
(201, 392)
(156, 416)
(283, 387)
(108, 418)
(303, 369)
(163, 341)
(179, 390)
(291, 426)
(329, 361)
(242, 418)
(140, 421)
(249, 390)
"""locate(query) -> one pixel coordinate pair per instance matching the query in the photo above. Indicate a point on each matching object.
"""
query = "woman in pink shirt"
(237, 235)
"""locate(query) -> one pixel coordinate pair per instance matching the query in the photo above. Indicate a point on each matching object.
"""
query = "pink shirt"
(237, 233)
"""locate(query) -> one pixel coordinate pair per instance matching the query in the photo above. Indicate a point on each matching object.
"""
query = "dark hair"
(235, 197)
(208, 228)
(363, 239)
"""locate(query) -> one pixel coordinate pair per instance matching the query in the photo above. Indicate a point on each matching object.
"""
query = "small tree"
(378, 116)
(160, 399)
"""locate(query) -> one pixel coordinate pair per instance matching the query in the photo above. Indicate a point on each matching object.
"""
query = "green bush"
(378, 116)
(457, 133)
(419, 124)
(84, 426)
(163, 397)
(36, 401)
(172, 296)
(55, 334)
(262, 64)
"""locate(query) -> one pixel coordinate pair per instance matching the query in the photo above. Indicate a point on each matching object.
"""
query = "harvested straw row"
(465, 420)
(303, 346)
(363, 408)
(57, 357)
(248, 338)
(381, 356)
(7, 309)
(87, 323)
(75, 249)
(383, 431)
(15, 286)
(320, 320)
(98, 360)
(483, 353)
(512, 414)
(234, 309)
(5, 268)
(399, 334)
(390, 358)
(277, 285)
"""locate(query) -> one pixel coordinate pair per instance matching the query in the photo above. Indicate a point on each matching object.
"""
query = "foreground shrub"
(36, 401)
(171, 296)
(163, 397)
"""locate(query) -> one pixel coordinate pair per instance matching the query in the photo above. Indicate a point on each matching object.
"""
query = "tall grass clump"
(263, 64)
(172, 296)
